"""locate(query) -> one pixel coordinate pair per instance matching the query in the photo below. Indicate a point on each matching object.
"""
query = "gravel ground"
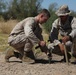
(42, 67)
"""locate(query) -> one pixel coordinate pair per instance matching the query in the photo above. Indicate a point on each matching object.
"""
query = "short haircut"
(46, 12)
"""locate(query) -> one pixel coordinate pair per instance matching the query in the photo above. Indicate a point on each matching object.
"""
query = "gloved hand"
(50, 46)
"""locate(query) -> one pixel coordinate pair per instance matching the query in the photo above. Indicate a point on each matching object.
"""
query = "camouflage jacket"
(30, 28)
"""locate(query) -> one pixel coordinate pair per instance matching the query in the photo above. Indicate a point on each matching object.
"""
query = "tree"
(20, 9)
(2, 6)
(73, 13)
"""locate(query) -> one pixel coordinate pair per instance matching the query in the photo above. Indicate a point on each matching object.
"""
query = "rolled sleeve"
(54, 32)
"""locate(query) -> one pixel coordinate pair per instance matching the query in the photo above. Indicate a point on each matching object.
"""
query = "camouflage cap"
(63, 10)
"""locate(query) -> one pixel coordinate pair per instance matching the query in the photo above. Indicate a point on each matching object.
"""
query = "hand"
(65, 39)
(61, 47)
(42, 43)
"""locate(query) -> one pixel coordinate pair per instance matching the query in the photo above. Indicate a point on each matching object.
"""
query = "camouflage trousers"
(21, 43)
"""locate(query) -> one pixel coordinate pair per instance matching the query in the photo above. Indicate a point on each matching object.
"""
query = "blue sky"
(70, 3)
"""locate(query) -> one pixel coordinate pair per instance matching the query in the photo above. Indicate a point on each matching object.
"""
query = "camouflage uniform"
(68, 28)
(25, 35)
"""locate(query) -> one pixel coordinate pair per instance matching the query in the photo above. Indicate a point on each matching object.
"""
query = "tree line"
(20, 9)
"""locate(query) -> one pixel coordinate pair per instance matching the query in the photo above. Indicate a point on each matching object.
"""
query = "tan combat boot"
(73, 60)
(28, 57)
(9, 54)
(12, 53)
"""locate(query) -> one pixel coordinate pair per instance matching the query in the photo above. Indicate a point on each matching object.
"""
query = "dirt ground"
(42, 67)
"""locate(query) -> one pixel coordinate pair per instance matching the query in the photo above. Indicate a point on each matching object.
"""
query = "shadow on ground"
(43, 61)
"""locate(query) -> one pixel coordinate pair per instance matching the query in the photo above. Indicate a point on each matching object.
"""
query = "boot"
(28, 57)
(12, 53)
(73, 60)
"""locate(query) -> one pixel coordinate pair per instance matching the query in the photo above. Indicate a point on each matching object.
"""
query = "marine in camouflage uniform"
(25, 35)
(65, 26)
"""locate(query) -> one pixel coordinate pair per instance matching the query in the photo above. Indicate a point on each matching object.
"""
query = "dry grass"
(3, 42)
(6, 27)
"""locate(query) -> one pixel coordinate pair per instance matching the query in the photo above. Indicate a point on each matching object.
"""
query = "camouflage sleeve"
(54, 33)
(28, 29)
(73, 32)
(38, 33)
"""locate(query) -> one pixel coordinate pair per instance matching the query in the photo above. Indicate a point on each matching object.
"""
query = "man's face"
(64, 18)
(43, 19)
